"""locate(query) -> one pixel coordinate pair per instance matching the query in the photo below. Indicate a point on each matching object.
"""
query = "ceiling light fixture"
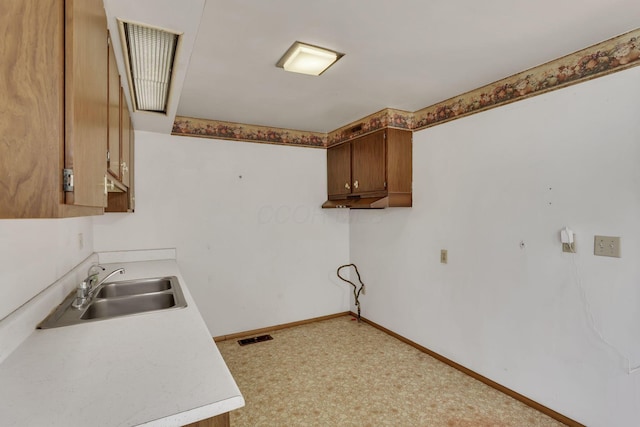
(308, 59)
(149, 55)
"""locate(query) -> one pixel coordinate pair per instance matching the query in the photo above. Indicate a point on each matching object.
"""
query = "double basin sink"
(118, 299)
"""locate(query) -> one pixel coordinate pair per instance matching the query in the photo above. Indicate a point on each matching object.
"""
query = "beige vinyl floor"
(338, 372)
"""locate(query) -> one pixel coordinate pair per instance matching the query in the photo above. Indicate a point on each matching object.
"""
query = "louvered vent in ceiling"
(149, 55)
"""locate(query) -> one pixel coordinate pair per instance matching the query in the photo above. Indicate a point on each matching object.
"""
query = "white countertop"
(158, 369)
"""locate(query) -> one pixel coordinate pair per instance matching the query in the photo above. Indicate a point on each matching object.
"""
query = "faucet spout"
(107, 277)
(85, 290)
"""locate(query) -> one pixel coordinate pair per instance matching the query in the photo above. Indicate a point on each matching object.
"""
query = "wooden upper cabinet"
(339, 170)
(371, 171)
(121, 193)
(113, 161)
(86, 89)
(368, 163)
(126, 137)
(32, 94)
(120, 159)
(120, 131)
(53, 86)
(400, 163)
(131, 194)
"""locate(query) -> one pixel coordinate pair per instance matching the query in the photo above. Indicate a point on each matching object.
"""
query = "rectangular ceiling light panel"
(308, 59)
(150, 53)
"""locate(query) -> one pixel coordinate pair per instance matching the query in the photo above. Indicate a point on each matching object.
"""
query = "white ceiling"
(404, 54)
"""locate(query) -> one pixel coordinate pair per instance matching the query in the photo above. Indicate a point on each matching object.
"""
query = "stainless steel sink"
(102, 308)
(134, 287)
(118, 299)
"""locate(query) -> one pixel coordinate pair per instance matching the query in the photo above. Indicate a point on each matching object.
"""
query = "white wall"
(34, 253)
(253, 243)
(555, 327)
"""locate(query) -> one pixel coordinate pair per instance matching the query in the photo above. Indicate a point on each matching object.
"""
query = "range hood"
(380, 202)
(359, 203)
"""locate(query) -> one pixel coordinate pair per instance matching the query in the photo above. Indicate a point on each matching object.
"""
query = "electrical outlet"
(606, 246)
(443, 256)
(80, 241)
(570, 247)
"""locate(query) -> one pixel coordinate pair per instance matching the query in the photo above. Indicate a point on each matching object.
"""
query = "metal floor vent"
(254, 340)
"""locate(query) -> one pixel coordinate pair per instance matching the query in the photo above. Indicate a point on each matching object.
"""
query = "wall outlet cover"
(606, 246)
(443, 256)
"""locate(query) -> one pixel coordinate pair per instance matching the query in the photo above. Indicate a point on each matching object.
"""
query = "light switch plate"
(443, 256)
(606, 246)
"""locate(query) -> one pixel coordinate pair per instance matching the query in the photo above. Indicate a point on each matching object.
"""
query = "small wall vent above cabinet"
(372, 171)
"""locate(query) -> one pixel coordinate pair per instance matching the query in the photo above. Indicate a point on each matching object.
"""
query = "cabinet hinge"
(67, 180)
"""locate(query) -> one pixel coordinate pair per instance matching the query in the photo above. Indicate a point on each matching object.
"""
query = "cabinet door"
(123, 201)
(113, 163)
(131, 192)
(339, 170)
(32, 97)
(368, 163)
(86, 88)
(125, 138)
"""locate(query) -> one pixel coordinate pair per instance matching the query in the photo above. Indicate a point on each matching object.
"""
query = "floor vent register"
(254, 340)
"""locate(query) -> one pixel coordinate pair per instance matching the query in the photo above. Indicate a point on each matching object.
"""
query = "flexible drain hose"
(356, 290)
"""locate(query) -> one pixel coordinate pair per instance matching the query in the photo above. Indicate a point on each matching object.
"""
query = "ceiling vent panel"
(149, 54)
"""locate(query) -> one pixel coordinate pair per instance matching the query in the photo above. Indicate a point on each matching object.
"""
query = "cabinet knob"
(356, 184)
(347, 186)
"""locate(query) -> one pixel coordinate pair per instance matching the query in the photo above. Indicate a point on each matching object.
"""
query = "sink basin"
(134, 287)
(118, 299)
(100, 309)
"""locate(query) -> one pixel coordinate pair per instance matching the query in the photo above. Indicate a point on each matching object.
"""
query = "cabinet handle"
(356, 184)
(106, 191)
(347, 186)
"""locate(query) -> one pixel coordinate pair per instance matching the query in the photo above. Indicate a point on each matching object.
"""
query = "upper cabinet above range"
(54, 129)
(371, 171)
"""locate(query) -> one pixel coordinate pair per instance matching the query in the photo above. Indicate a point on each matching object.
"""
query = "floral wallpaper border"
(615, 54)
(187, 126)
(598, 60)
(382, 119)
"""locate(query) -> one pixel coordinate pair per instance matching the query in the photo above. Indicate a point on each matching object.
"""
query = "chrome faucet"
(85, 290)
